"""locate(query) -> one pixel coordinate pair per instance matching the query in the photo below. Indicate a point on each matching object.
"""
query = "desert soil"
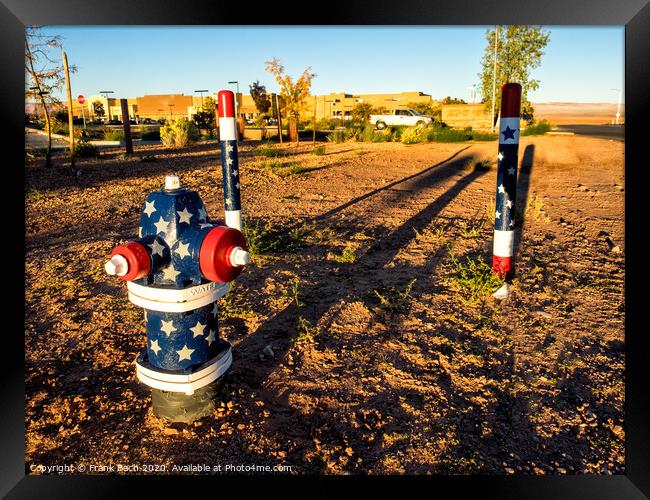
(381, 360)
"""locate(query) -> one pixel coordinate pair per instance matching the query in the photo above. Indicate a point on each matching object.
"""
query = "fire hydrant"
(176, 270)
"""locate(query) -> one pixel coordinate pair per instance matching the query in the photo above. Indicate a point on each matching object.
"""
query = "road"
(616, 132)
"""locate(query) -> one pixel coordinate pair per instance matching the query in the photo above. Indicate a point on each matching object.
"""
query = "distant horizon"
(581, 64)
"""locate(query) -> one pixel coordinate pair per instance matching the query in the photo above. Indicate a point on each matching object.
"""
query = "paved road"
(616, 132)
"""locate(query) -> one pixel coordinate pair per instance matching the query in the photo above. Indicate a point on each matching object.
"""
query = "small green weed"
(306, 332)
(395, 301)
(472, 280)
(319, 150)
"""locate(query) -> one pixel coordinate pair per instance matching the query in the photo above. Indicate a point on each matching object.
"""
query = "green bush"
(179, 133)
(84, 149)
(539, 128)
(113, 135)
(413, 135)
(150, 134)
(319, 150)
(484, 136)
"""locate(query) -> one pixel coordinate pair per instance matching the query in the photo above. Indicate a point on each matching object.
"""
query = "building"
(465, 115)
(165, 106)
(340, 105)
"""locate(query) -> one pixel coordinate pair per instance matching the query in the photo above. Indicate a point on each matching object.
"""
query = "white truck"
(407, 117)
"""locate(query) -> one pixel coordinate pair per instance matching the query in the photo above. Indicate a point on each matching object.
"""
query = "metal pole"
(504, 215)
(494, 75)
(229, 159)
(70, 116)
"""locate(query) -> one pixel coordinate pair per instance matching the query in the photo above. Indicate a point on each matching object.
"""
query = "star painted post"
(229, 158)
(504, 215)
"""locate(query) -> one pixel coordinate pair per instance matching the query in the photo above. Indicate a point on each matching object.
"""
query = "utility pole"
(494, 75)
(314, 127)
(70, 115)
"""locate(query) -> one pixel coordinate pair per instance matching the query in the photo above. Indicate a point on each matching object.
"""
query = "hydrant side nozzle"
(215, 255)
(239, 257)
(136, 257)
(117, 265)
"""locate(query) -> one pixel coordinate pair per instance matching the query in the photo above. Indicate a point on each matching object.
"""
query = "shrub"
(443, 134)
(484, 136)
(319, 150)
(150, 134)
(413, 135)
(178, 133)
(338, 136)
(539, 128)
(84, 149)
(113, 135)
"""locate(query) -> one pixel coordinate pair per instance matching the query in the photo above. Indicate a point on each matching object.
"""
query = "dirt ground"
(383, 361)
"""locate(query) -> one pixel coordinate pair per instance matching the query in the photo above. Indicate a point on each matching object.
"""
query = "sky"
(581, 64)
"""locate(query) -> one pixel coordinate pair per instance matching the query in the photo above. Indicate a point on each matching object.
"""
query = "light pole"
(618, 108)
(494, 74)
(171, 116)
(235, 82)
(108, 104)
(201, 92)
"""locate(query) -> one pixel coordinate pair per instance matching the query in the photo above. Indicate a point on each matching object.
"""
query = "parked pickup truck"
(408, 117)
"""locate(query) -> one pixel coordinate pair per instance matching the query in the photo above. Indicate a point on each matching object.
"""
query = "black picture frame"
(634, 14)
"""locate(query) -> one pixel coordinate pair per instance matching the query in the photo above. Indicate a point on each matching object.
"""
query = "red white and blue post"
(229, 158)
(504, 214)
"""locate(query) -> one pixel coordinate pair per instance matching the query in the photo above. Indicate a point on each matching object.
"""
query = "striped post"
(229, 158)
(504, 215)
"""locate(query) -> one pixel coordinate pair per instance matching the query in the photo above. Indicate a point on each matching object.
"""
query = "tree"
(294, 93)
(427, 108)
(98, 109)
(519, 50)
(261, 98)
(452, 100)
(362, 111)
(44, 75)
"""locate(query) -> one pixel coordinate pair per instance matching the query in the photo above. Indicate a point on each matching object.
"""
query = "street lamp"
(108, 104)
(40, 92)
(171, 116)
(235, 82)
(201, 92)
(618, 108)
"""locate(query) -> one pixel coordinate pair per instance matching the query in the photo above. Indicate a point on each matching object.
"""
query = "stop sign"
(81, 99)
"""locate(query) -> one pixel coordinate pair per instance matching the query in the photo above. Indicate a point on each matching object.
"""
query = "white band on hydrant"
(174, 382)
(176, 300)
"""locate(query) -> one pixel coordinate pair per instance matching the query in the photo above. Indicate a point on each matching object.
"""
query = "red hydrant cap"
(215, 254)
(137, 257)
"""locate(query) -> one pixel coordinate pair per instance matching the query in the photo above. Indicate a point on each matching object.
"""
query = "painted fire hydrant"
(176, 270)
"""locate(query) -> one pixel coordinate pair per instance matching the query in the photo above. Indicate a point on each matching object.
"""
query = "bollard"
(504, 216)
(229, 158)
(176, 270)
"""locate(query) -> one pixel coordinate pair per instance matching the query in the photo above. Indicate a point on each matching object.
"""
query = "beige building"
(465, 115)
(158, 106)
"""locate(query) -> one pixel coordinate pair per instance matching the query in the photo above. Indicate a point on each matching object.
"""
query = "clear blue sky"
(581, 64)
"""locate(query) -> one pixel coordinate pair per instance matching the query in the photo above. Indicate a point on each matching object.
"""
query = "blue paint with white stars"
(173, 225)
(230, 175)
